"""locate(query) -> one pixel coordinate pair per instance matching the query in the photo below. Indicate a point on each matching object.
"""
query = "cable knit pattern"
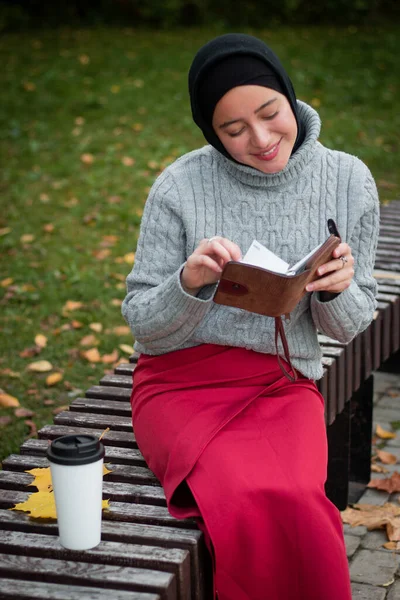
(205, 194)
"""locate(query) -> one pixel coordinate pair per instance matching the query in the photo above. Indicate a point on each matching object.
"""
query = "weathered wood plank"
(122, 456)
(100, 406)
(90, 420)
(12, 589)
(170, 560)
(120, 439)
(119, 492)
(121, 473)
(73, 573)
(117, 380)
(108, 392)
(125, 369)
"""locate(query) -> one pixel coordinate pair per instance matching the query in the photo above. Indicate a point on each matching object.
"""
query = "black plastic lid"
(75, 450)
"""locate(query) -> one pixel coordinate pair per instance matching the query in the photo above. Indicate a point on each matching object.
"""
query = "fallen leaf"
(6, 282)
(41, 340)
(97, 327)
(76, 324)
(92, 355)
(383, 434)
(84, 59)
(128, 161)
(9, 373)
(32, 427)
(48, 228)
(27, 238)
(89, 340)
(87, 158)
(109, 240)
(116, 302)
(5, 421)
(110, 358)
(53, 379)
(316, 102)
(378, 468)
(60, 409)
(48, 402)
(29, 86)
(5, 230)
(121, 330)
(129, 258)
(103, 433)
(40, 366)
(126, 348)
(7, 401)
(30, 352)
(23, 412)
(374, 517)
(41, 504)
(389, 484)
(386, 457)
(390, 545)
(102, 254)
(71, 305)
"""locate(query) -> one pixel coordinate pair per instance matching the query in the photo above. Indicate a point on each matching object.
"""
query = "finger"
(198, 261)
(337, 264)
(232, 248)
(217, 249)
(342, 250)
(338, 279)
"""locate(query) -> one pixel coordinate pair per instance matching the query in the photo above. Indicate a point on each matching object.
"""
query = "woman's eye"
(235, 133)
(270, 117)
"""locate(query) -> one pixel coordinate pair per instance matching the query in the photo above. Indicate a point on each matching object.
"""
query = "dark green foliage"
(18, 14)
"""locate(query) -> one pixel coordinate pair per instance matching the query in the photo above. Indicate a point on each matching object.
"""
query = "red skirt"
(251, 447)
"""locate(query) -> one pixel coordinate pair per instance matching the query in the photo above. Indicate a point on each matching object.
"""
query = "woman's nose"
(260, 136)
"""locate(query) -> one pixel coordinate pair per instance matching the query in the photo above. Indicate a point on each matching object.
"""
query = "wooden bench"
(146, 554)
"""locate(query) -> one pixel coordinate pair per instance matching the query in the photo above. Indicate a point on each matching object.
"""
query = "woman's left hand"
(335, 275)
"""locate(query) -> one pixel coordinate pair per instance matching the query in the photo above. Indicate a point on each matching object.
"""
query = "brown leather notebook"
(268, 293)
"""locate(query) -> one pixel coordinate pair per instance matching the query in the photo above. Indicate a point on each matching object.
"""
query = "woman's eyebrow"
(227, 123)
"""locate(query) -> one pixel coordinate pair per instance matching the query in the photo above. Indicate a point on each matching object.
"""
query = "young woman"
(233, 442)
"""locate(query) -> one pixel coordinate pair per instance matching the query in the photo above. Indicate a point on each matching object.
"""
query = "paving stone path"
(375, 571)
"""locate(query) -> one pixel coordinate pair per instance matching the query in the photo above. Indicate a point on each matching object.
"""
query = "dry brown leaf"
(126, 348)
(87, 158)
(97, 327)
(60, 409)
(30, 352)
(372, 516)
(23, 412)
(41, 340)
(383, 434)
(53, 379)
(129, 258)
(386, 457)
(32, 428)
(48, 227)
(92, 355)
(9, 373)
(89, 340)
(71, 305)
(109, 240)
(102, 254)
(6, 282)
(389, 484)
(7, 401)
(40, 366)
(128, 161)
(76, 324)
(103, 433)
(378, 468)
(116, 302)
(5, 421)
(27, 238)
(121, 330)
(390, 546)
(110, 358)
(5, 230)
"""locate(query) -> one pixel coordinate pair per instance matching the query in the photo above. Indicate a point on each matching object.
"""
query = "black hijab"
(228, 61)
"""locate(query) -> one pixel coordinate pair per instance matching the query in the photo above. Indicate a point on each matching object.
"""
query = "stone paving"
(375, 571)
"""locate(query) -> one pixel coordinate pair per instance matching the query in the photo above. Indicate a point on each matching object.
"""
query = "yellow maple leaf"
(126, 348)
(41, 340)
(383, 434)
(53, 378)
(40, 366)
(7, 401)
(41, 504)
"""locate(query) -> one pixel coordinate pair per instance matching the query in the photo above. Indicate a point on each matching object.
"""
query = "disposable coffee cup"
(76, 464)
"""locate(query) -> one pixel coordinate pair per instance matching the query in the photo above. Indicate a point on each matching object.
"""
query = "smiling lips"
(269, 154)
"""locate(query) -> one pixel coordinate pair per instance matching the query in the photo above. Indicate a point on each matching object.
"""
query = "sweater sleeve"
(350, 312)
(161, 315)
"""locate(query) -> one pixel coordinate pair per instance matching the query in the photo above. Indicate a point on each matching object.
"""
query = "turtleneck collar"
(296, 164)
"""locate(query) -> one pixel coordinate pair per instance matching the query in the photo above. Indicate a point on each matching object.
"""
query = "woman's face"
(257, 127)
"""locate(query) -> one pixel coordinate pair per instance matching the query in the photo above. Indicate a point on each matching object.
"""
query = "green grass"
(118, 95)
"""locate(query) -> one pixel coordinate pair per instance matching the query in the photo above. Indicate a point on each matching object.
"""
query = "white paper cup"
(76, 464)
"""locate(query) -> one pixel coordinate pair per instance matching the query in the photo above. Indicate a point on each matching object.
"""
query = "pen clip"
(332, 228)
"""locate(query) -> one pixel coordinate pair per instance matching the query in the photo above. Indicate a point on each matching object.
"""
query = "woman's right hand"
(206, 264)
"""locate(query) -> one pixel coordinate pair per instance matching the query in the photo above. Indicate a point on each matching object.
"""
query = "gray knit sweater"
(205, 194)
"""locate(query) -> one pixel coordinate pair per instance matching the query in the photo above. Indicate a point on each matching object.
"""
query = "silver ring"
(344, 260)
(211, 239)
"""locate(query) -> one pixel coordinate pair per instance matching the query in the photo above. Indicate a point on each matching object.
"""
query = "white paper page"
(259, 256)
(302, 262)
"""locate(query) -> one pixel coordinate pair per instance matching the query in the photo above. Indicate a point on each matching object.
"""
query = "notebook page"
(259, 256)
(298, 266)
